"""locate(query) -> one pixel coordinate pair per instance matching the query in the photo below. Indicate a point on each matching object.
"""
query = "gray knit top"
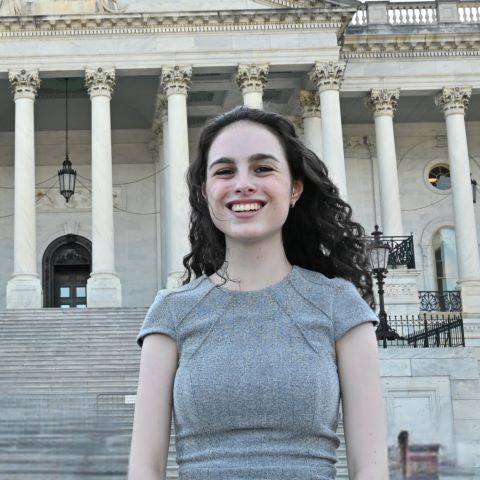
(256, 392)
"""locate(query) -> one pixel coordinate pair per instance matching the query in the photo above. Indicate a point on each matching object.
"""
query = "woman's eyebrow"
(252, 158)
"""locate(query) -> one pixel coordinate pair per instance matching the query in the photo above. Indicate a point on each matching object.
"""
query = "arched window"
(446, 272)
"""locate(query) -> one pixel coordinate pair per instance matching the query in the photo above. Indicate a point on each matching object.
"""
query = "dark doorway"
(66, 268)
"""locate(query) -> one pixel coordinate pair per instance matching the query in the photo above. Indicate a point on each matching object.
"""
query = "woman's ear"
(297, 190)
(204, 192)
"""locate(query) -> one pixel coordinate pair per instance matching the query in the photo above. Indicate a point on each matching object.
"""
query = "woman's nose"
(244, 183)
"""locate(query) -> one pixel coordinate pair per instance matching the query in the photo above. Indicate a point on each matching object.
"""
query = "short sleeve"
(349, 309)
(158, 318)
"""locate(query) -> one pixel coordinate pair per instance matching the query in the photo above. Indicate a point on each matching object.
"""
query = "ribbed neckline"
(258, 291)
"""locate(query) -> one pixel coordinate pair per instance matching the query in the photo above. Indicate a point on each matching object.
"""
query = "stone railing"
(424, 13)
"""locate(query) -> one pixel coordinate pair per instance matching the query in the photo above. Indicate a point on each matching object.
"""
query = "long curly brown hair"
(319, 233)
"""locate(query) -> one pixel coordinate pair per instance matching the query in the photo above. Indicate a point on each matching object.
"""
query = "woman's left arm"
(362, 403)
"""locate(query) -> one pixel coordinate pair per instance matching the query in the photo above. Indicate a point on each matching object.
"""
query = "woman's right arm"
(153, 409)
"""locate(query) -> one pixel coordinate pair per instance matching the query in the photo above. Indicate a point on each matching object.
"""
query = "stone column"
(103, 286)
(454, 103)
(383, 104)
(312, 122)
(176, 83)
(252, 80)
(24, 289)
(327, 78)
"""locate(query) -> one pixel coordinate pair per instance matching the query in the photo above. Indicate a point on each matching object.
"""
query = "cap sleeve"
(349, 309)
(158, 318)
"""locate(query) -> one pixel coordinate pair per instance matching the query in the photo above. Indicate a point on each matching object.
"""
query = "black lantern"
(474, 188)
(67, 175)
(378, 253)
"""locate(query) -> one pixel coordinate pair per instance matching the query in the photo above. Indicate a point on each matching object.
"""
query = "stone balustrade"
(412, 14)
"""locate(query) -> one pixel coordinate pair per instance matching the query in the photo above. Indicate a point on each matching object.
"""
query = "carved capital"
(327, 76)
(177, 79)
(309, 101)
(100, 81)
(382, 101)
(453, 100)
(24, 83)
(252, 78)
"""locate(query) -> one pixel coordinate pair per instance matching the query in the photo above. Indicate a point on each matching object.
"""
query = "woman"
(271, 329)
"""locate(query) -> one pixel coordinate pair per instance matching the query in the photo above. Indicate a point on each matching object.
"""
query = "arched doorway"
(446, 272)
(66, 267)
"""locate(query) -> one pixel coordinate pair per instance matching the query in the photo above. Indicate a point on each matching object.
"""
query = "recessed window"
(439, 177)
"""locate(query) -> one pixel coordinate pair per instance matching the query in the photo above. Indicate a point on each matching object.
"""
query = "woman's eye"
(225, 171)
(263, 169)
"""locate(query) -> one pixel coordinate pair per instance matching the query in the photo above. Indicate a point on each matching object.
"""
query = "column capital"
(453, 100)
(24, 83)
(309, 101)
(100, 81)
(327, 76)
(176, 79)
(252, 77)
(382, 101)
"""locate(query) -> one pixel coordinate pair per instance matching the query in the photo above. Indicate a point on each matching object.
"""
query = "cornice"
(410, 46)
(187, 22)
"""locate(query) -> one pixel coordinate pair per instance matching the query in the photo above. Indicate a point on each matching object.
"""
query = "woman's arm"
(153, 409)
(362, 403)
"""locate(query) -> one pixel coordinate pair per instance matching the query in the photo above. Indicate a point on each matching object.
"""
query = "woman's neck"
(253, 266)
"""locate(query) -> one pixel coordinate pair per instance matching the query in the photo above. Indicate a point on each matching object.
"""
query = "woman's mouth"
(246, 207)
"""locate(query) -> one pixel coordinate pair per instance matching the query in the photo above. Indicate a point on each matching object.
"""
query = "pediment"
(89, 7)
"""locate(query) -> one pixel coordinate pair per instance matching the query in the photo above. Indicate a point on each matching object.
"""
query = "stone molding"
(252, 77)
(108, 6)
(100, 82)
(453, 100)
(382, 101)
(176, 79)
(24, 83)
(327, 76)
(185, 22)
(309, 101)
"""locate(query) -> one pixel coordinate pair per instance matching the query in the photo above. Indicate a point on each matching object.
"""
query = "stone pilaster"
(327, 78)
(176, 83)
(103, 286)
(309, 101)
(383, 103)
(454, 103)
(252, 80)
(24, 289)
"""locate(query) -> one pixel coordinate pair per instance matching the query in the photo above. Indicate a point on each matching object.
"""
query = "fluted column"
(103, 286)
(176, 83)
(312, 122)
(383, 104)
(454, 103)
(252, 80)
(327, 78)
(24, 289)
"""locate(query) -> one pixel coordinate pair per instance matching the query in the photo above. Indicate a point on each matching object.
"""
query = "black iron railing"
(401, 251)
(428, 330)
(447, 301)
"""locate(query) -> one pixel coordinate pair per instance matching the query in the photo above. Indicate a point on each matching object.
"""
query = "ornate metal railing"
(401, 251)
(448, 301)
(428, 330)
(413, 13)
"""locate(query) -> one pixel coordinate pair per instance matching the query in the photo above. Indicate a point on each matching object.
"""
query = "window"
(446, 272)
(439, 177)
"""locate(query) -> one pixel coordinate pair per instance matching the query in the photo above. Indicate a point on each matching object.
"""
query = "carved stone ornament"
(327, 76)
(382, 101)
(253, 77)
(177, 79)
(100, 81)
(453, 100)
(24, 84)
(108, 6)
(11, 7)
(309, 101)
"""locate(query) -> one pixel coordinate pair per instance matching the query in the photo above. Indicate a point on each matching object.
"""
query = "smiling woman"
(254, 353)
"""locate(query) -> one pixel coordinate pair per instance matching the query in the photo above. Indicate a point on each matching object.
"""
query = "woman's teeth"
(246, 207)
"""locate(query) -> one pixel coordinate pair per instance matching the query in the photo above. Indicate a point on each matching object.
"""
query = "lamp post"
(378, 253)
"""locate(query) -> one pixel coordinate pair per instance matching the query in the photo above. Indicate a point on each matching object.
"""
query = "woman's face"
(248, 184)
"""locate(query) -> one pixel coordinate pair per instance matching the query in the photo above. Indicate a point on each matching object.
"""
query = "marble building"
(388, 96)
